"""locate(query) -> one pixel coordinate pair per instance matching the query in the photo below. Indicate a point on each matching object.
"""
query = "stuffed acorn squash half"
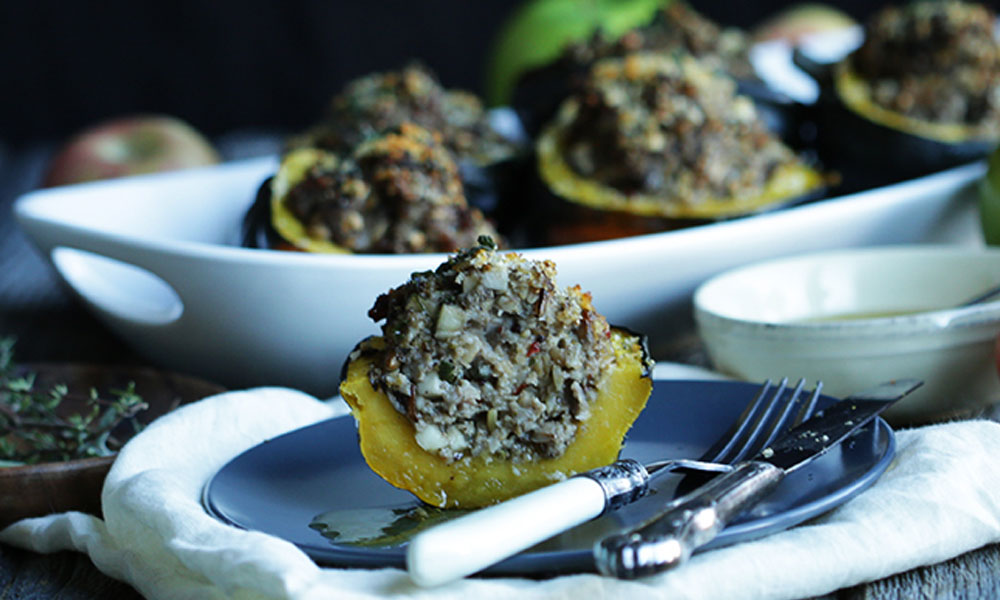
(655, 140)
(394, 166)
(920, 94)
(674, 27)
(489, 381)
(398, 192)
(486, 145)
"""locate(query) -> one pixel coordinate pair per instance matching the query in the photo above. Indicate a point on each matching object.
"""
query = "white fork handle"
(475, 541)
(471, 543)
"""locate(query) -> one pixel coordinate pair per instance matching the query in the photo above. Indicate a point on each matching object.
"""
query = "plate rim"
(574, 561)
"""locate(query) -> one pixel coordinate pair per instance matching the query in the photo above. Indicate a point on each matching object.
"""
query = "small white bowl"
(856, 318)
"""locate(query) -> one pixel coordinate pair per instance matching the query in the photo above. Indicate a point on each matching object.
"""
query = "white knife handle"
(668, 539)
(475, 541)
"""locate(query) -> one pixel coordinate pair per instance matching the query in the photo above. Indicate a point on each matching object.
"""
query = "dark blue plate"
(281, 486)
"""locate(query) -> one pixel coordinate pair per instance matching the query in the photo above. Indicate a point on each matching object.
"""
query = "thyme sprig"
(35, 425)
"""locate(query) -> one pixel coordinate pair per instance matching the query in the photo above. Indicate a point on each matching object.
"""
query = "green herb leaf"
(34, 430)
(487, 242)
(447, 371)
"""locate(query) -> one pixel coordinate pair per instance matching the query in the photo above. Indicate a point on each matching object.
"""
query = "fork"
(454, 549)
(766, 416)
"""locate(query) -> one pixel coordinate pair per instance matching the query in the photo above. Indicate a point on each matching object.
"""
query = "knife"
(668, 538)
(456, 548)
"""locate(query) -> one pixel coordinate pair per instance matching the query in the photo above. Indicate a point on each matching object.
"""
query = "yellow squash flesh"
(788, 183)
(390, 448)
(856, 94)
(294, 168)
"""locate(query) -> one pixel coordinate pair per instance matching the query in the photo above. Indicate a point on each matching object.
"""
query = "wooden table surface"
(51, 326)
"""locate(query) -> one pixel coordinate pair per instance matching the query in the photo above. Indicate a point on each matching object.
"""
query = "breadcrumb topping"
(487, 356)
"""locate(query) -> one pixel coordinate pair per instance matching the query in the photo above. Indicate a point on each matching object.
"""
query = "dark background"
(229, 65)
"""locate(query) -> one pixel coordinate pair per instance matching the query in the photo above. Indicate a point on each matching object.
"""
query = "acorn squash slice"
(788, 183)
(574, 208)
(898, 145)
(269, 224)
(399, 192)
(653, 142)
(294, 168)
(389, 446)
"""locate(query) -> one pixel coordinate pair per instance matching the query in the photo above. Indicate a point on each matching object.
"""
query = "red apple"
(130, 146)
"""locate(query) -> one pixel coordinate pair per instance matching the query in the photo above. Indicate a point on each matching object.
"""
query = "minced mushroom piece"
(935, 60)
(487, 356)
(399, 192)
(378, 102)
(665, 126)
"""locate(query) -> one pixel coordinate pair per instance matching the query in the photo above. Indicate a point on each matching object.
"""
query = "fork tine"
(757, 427)
(809, 407)
(746, 438)
(780, 424)
(725, 444)
(764, 419)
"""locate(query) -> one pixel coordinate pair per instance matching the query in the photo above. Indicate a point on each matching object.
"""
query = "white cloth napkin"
(940, 498)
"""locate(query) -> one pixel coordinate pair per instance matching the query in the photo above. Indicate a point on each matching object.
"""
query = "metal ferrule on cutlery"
(626, 480)
(689, 522)
(623, 482)
(538, 516)
(668, 538)
(455, 549)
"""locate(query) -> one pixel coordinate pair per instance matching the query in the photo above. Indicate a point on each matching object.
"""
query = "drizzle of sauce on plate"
(380, 527)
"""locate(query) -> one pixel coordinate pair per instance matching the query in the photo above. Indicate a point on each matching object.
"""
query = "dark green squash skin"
(870, 154)
(539, 92)
(499, 191)
(882, 155)
(257, 231)
(556, 221)
(791, 121)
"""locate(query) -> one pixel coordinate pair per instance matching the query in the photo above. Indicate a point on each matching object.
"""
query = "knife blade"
(668, 538)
